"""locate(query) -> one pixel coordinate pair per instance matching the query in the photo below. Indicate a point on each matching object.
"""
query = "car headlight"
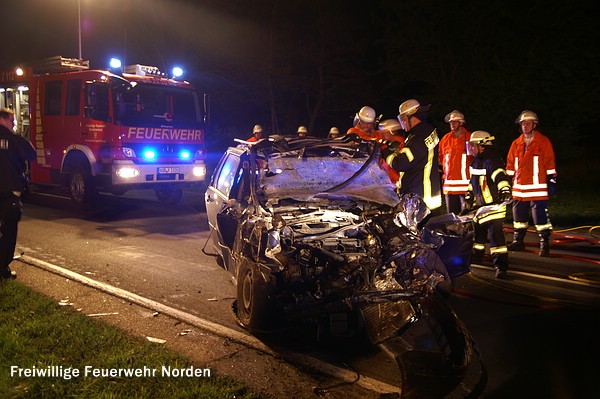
(273, 244)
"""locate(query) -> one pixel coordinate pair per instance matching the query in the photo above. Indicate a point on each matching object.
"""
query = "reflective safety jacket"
(488, 177)
(455, 162)
(385, 141)
(530, 167)
(417, 164)
(374, 135)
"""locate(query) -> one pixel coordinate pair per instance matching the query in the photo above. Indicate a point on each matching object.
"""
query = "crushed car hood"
(325, 177)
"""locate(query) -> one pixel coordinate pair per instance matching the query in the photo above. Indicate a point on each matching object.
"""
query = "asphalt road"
(537, 336)
(134, 243)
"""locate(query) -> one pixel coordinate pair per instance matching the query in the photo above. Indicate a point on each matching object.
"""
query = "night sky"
(315, 63)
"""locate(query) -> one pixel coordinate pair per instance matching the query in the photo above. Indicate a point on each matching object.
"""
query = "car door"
(219, 192)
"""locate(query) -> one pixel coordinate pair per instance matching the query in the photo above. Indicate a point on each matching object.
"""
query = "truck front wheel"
(81, 186)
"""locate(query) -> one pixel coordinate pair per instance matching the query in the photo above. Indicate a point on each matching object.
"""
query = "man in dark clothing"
(489, 184)
(14, 152)
(417, 160)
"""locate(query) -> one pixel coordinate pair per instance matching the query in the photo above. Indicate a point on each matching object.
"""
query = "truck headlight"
(127, 172)
(199, 171)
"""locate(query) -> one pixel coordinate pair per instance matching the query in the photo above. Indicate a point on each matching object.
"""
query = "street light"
(79, 25)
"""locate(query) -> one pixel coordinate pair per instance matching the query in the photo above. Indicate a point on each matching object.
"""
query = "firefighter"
(257, 133)
(417, 161)
(365, 123)
(333, 133)
(531, 163)
(15, 151)
(455, 162)
(390, 132)
(489, 184)
(302, 131)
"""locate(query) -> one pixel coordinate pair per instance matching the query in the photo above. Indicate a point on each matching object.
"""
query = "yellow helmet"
(481, 137)
(409, 107)
(527, 115)
(333, 132)
(455, 115)
(390, 125)
(366, 114)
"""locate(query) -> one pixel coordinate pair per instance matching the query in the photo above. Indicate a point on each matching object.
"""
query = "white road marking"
(539, 276)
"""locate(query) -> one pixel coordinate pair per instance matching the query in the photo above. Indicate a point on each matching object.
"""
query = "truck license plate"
(168, 170)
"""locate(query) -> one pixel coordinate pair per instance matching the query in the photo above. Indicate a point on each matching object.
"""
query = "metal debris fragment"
(102, 314)
(156, 340)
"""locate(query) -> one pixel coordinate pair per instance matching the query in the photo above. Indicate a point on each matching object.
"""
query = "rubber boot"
(518, 244)
(501, 265)
(544, 243)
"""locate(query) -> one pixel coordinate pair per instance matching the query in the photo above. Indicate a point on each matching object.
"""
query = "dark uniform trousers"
(498, 251)
(10, 214)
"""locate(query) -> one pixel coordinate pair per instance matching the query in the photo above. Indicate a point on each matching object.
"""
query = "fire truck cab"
(108, 131)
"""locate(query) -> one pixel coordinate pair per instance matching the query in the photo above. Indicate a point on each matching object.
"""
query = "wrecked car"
(313, 229)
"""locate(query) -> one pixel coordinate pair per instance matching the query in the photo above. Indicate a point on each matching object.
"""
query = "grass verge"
(575, 208)
(38, 336)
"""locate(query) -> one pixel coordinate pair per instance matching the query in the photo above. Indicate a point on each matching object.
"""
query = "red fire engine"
(103, 131)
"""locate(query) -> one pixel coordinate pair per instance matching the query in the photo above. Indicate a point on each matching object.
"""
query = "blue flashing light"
(177, 72)
(115, 63)
(149, 154)
(185, 154)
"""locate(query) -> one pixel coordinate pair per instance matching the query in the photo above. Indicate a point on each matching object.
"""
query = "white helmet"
(527, 115)
(257, 129)
(366, 114)
(390, 125)
(455, 115)
(333, 132)
(409, 107)
(481, 137)
(302, 129)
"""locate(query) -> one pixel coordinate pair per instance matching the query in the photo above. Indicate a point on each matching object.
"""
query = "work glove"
(351, 138)
(390, 148)
(505, 195)
(551, 180)
(468, 203)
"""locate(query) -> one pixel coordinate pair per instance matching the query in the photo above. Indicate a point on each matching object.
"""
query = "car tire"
(252, 297)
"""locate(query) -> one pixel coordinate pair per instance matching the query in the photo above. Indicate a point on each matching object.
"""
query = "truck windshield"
(154, 106)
